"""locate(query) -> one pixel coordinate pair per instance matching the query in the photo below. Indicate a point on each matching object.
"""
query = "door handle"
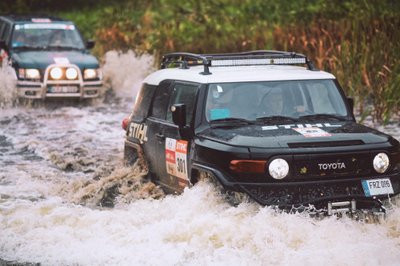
(160, 136)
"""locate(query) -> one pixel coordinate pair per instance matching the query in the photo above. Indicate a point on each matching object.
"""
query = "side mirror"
(90, 44)
(350, 102)
(179, 114)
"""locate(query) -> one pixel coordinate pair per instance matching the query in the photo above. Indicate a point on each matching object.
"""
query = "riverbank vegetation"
(358, 41)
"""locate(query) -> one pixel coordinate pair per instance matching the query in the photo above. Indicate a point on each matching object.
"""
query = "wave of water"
(8, 95)
(124, 71)
(67, 199)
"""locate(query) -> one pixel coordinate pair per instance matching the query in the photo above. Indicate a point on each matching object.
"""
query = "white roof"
(237, 74)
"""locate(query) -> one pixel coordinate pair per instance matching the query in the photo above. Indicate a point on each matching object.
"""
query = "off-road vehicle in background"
(50, 58)
(259, 125)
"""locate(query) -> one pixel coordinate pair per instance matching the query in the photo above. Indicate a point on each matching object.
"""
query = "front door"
(172, 150)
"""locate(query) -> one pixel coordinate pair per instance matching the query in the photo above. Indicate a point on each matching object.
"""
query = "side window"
(1, 28)
(186, 94)
(161, 100)
(6, 32)
(142, 102)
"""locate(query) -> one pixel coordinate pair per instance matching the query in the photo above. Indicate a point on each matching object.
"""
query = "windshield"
(46, 35)
(274, 99)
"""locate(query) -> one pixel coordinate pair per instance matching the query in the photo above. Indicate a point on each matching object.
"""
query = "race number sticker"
(312, 132)
(176, 158)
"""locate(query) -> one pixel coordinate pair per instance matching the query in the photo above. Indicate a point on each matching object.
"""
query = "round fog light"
(56, 73)
(278, 168)
(381, 162)
(71, 73)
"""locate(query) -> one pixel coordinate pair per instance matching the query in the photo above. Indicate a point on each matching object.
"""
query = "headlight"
(56, 73)
(278, 168)
(32, 73)
(28, 73)
(90, 73)
(381, 162)
(71, 73)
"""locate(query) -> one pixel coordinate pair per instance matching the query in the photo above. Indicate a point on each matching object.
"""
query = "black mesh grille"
(323, 166)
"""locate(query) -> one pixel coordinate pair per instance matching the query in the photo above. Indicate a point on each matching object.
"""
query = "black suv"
(261, 126)
(50, 58)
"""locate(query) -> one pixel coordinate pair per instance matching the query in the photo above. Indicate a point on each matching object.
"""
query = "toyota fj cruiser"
(258, 125)
(49, 57)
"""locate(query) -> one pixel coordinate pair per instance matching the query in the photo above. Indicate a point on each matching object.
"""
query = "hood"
(41, 59)
(312, 135)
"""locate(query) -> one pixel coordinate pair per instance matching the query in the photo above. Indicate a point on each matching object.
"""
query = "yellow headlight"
(32, 73)
(90, 74)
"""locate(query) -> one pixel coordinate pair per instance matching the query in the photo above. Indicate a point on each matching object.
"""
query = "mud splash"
(197, 227)
(123, 186)
(123, 72)
(8, 95)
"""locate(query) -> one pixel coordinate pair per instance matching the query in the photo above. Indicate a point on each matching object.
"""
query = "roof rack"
(258, 57)
(184, 60)
(30, 16)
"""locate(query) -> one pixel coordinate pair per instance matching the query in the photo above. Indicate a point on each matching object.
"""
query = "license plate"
(374, 187)
(63, 89)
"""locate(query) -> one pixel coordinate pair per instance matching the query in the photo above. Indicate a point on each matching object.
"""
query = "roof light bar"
(251, 58)
(257, 61)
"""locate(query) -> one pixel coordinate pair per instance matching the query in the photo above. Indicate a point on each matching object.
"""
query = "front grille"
(336, 165)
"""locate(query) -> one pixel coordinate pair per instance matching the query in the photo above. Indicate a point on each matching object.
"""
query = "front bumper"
(48, 88)
(39, 90)
(303, 193)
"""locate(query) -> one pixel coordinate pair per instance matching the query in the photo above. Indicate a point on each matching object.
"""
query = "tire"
(232, 197)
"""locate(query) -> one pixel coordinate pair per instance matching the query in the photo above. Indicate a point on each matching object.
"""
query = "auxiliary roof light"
(257, 61)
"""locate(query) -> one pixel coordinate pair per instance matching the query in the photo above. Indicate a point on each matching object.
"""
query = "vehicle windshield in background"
(46, 35)
(275, 99)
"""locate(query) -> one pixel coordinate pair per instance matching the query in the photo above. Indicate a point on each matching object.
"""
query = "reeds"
(363, 54)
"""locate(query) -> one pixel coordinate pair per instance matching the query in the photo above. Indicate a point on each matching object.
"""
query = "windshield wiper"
(322, 116)
(61, 47)
(276, 118)
(28, 47)
(231, 121)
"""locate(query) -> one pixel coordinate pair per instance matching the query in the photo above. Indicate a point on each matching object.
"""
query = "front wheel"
(232, 197)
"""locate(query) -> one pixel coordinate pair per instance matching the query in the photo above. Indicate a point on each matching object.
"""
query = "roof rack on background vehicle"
(31, 16)
(251, 58)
